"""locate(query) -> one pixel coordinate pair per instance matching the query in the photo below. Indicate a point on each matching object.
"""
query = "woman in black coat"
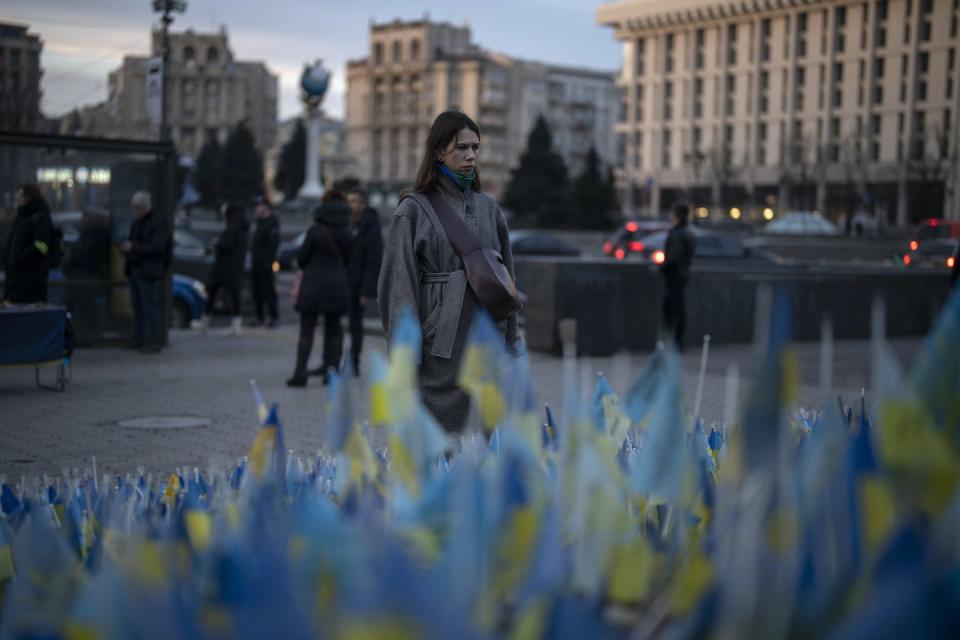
(230, 252)
(324, 288)
(26, 259)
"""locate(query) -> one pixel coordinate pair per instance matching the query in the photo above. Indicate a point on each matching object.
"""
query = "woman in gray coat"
(421, 271)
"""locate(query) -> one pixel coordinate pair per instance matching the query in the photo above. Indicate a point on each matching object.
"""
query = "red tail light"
(950, 262)
(934, 222)
(635, 246)
(620, 254)
(608, 247)
(632, 227)
(906, 260)
(913, 245)
(658, 257)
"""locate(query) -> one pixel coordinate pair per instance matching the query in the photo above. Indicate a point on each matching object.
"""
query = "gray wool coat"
(422, 272)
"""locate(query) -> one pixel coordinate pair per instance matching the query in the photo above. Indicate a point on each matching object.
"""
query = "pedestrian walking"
(229, 255)
(146, 252)
(29, 249)
(363, 266)
(423, 272)
(263, 253)
(323, 289)
(678, 254)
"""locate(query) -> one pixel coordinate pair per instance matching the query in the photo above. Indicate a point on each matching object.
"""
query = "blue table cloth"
(32, 335)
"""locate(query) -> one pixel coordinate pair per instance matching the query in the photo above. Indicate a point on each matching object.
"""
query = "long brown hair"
(444, 130)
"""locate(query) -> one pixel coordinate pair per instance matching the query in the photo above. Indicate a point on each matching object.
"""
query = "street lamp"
(166, 7)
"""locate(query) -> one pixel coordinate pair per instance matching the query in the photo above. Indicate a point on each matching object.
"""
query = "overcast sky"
(84, 39)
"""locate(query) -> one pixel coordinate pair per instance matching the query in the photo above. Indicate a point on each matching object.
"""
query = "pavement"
(208, 378)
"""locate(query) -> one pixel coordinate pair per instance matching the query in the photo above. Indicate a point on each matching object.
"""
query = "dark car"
(709, 245)
(937, 252)
(537, 243)
(626, 240)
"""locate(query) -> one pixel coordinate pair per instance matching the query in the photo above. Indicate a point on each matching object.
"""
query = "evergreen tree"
(537, 192)
(613, 199)
(242, 177)
(291, 166)
(591, 196)
(206, 177)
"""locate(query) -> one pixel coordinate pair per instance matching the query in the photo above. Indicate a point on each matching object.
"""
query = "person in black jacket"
(263, 251)
(229, 255)
(87, 270)
(146, 252)
(26, 259)
(363, 267)
(678, 254)
(323, 288)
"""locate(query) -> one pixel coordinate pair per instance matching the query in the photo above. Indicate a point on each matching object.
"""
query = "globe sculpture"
(314, 82)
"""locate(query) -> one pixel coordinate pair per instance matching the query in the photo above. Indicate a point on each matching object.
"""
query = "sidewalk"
(207, 377)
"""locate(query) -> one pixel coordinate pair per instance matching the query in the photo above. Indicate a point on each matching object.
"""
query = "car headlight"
(200, 288)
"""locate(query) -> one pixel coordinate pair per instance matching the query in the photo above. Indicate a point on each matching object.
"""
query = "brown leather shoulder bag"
(486, 273)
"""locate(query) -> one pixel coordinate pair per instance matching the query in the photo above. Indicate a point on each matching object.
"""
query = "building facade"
(831, 105)
(208, 93)
(416, 70)
(20, 74)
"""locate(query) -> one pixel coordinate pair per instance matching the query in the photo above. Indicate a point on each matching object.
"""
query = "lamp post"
(166, 8)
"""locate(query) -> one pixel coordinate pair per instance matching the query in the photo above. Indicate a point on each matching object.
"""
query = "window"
(765, 40)
(415, 51)
(762, 143)
(189, 54)
(397, 51)
(882, 10)
(732, 44)
(640, 51)
(786, 39)
(923, 62)
(668, 62)
(667, 100)
(378, 53)
(667, 141)
(881, 37)
(878, 68)
(212, 55)
(640, 98)
(731, 91)
(697, 97)
(698, 137)
(700, 39)
(878, 94)
(728, 144)
(921, 90)
(638, 148)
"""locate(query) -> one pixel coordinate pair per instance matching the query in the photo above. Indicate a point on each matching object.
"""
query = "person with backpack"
(32, 248)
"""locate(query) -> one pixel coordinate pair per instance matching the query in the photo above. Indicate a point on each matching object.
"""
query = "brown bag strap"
(458, 234)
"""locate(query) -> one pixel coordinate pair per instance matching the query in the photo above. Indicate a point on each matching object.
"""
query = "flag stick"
(704, 355)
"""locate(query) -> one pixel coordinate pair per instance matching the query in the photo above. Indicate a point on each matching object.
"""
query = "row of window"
(189, 54)
(731, 89)
(397, 52)
(839, 35)
(861, 146)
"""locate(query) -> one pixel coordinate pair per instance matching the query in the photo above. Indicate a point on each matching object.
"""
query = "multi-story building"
(415, 70)
(833, 105)
(19, 78)
(208, 92)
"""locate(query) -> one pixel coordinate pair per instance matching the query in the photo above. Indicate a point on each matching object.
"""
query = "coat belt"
(450, 306)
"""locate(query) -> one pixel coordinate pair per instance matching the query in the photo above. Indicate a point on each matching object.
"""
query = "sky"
(85, 39)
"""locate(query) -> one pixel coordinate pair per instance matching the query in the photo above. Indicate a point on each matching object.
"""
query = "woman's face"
(461, 154)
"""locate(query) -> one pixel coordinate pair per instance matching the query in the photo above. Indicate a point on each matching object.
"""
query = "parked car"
(189, 298)
(626, 240)
(938, 253)
(709, 245)
(802, 223)
(538, 243)
(933, 229)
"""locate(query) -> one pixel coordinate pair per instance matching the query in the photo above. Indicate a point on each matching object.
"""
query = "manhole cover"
(165, 422)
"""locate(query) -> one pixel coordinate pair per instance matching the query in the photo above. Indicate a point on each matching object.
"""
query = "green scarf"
(462, 180)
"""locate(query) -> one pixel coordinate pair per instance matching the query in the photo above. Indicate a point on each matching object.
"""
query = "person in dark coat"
(146, 251)
(229, 255)
(324, 288)
(26, 258)
(678, 254)
(363, 267)
(87, 271)
(263, 252)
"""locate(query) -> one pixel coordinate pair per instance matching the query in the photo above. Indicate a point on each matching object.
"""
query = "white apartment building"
(415, 70)
(833, 105)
